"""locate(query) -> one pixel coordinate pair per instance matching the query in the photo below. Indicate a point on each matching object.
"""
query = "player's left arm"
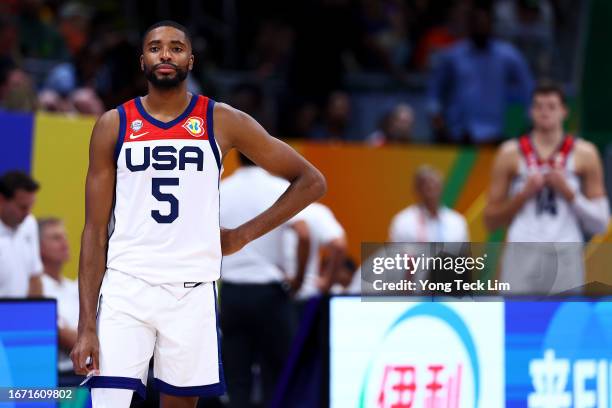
(236, 129)
(591, 203)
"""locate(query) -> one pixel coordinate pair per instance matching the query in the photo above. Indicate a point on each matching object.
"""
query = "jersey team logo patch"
(195, 126)
(136, 125)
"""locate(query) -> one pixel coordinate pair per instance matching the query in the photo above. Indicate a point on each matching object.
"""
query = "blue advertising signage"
(558, 354)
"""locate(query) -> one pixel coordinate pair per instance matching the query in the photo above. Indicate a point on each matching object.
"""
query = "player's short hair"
(547, 87)
(168, 23)
(15, 180)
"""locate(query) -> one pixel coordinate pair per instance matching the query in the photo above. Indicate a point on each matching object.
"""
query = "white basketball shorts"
(174, 324)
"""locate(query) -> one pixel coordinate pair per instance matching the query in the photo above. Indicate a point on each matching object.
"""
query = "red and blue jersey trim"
(195, 123)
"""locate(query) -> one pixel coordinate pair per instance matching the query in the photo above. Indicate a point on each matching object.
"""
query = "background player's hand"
(87, 345)
(535, 183)
(557, 180)
(231, 240)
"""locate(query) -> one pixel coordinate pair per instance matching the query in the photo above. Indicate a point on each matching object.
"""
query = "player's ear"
(191, 58)
(141, 62)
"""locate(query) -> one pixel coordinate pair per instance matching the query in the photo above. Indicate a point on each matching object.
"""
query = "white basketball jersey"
(165, 221)
(547, 217)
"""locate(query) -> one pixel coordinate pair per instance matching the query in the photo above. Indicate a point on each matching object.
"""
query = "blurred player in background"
(257, 319)
(20, 265)
(152, 245)
(547, 187)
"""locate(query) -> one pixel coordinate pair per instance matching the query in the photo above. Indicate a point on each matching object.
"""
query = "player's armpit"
(235, 129)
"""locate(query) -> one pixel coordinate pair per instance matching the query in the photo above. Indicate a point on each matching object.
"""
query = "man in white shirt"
(428, 220)
(257, 319)
(328, 243)
(20, 265)
(55, 252)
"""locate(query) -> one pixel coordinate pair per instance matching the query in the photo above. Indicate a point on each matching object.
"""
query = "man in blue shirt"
(472, 83)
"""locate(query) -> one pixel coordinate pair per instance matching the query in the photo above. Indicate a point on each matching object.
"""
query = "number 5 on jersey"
(157, 184)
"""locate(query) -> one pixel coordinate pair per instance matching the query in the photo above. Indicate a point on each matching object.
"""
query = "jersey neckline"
(559, 154)
(159, 123)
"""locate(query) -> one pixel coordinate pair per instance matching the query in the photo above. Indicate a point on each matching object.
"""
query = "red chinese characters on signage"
(409, 386)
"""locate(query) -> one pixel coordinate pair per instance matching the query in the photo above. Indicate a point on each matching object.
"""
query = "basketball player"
(548, 187)
(152, 246)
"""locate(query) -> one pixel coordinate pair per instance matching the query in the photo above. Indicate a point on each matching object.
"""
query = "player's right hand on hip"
(231, 240)
(85, 354)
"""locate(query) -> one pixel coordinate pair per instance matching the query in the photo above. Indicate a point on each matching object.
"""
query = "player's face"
(548, 111)
(166, 57)
(54, 244)
(13, 211)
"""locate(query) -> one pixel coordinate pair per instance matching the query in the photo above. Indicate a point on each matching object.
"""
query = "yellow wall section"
(60, 159)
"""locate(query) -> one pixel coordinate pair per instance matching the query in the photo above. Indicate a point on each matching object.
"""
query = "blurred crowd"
(306, 69)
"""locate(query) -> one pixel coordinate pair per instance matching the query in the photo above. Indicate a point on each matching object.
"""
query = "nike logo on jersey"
(133, 136)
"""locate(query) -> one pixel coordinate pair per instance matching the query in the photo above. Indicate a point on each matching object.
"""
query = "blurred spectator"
(385, 36)
(441, 35)
(472, 82)
(305, 121)
(74, 25)
(16, 86)
(327, 33)
(257, 318)
(529, 25)
(20, 264)
(71, 86)
(55, 252)
(9, 38)
(336, 118)
(120, 77)
(428, 220)
(16, 89)
(395, 127)
(39, 39)
(248, 98)
(272, 51)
